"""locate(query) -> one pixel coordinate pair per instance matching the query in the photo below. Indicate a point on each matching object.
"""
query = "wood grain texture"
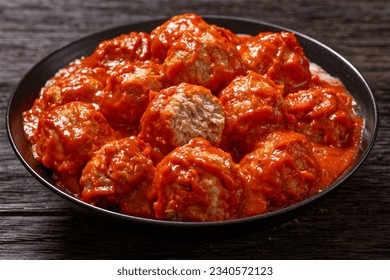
(352, 222)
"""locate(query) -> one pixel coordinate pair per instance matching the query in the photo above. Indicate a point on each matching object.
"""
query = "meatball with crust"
(68, 136)
(134, 46)
(253, 107)
(323, 115)
(165, 34)
(199, 183)
(279, 172)
(180, 113)
(76, 82)
(209, 60)
(325, 112)
(236, 39)
(126, 95)
(120, 174)
(280, 57)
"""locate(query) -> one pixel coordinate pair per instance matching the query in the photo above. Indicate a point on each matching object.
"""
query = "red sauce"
(268, 128)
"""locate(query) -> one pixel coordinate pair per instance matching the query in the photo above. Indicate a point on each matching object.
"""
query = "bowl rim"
(179, 224)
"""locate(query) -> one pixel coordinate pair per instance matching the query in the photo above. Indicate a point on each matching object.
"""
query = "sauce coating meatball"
(209, 60)
(236, 39)
(279, 172)
(164, 35)
(198, 182)
(126, 95)
(76, 82)
(280, 57)
(68, 136)
(323, 112)
(134, 46)
(180, 113)
(120, 174)
(253, 107)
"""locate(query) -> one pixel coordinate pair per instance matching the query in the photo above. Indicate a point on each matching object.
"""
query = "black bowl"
(29, 87)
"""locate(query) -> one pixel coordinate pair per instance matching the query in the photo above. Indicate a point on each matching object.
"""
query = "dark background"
(352, 222)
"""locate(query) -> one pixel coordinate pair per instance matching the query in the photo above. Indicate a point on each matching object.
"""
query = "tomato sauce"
(263, 127)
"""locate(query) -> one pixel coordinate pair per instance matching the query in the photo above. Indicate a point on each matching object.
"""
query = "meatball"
(280, 57)
(279, 172)
(209, 60)
(120, 174)
(134, 46)
(253, 107)
(164, 35)
(198, 183)
(76, 82)
(180, 113)
(68, 136)
(236, 39)
(126, 95)
(322, 115)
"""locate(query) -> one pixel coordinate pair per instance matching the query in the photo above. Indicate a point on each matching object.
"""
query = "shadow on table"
(92, 238)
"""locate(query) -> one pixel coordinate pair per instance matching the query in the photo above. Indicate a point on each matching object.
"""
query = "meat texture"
(120, 174)
(280, 57)
(195, 52)
(180, 113)
(131, 47)
(279, 172)
(165, 34)
(126, 95)
(199, 183)
(323, 112)
(68, 137)
(254, 107)
(75, 82)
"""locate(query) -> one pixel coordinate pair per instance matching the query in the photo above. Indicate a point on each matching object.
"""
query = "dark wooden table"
(353, 222)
